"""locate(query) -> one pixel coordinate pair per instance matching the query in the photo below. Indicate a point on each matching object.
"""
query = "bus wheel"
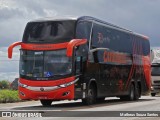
(46, 102)
(153, 94)
(91, 96)
(131, 95)
(137, 92)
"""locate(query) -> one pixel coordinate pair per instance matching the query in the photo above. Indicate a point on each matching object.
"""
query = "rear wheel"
(137, 92)
(134, 93)
(131, 95)
(91, 96)
(153, 94)
(46, 102)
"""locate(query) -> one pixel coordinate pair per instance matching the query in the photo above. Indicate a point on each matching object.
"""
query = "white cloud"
(10, 76)
(15, 14)
(50, 13)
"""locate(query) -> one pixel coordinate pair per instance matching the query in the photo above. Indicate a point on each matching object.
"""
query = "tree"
(4, 84)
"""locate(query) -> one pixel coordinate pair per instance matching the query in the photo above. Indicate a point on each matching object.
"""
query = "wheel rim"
(91, 95)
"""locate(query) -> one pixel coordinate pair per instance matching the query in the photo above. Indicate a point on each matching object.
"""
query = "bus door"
(80, 58)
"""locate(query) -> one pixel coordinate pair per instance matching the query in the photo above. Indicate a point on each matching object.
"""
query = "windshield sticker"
(49, 74)
(38, 53)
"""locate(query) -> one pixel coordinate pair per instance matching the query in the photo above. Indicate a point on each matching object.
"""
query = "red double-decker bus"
(81, 58)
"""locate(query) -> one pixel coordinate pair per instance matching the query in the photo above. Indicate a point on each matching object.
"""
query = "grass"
(9, 96)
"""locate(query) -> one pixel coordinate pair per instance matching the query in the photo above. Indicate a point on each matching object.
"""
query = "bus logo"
(41, 89)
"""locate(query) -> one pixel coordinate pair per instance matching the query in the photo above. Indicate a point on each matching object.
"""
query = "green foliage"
(8, 96)
(4, 84)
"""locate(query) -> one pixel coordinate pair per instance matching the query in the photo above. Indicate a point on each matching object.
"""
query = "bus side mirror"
(10, 48)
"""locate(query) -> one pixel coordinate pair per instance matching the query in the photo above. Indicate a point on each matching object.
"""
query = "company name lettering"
(42, 46)
(115, 57)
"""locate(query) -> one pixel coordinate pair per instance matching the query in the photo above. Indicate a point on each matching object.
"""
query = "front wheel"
(46, 102)
(91, 96)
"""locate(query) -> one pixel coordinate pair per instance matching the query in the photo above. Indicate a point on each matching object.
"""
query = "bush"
(4, 84)
(9, 96)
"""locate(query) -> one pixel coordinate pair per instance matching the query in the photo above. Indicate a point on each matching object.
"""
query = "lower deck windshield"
(45, 64)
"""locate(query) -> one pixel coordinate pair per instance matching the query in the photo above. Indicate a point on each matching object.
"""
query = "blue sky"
(141, 16)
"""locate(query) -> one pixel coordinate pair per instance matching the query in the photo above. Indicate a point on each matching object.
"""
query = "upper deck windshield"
(49, 31)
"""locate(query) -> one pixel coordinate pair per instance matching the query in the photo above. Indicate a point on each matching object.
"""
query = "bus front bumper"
(53, 91)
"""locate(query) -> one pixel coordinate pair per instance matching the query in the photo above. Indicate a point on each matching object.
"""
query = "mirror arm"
(73, 43)
(10, 48)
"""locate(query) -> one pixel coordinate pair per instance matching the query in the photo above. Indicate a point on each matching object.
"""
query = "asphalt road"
(112, 107)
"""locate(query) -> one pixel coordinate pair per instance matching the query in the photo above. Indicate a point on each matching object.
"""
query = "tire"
(46, 102)
(91, 96)
(137, 92)
(153, 94)
(131, 95)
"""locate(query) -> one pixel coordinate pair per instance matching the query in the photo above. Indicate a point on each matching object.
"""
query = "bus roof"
(112, 25)
(100, 21)
(58, 18)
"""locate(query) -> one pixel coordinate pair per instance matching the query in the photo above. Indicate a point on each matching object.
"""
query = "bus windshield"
(155, 71)
(49, 31)
(45, 64)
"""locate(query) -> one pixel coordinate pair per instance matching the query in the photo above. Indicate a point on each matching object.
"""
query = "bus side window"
(83, 30)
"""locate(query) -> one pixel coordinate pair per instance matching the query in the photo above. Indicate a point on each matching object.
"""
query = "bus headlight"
(68, 84)
(63, 85)
(22, 85)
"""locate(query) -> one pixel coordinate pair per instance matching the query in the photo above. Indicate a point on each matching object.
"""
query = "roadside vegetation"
(4, 84)
(7, 94)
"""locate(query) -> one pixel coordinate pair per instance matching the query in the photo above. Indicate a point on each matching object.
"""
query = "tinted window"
(146, 47)
(83, 30)
(140, 46)
(124, 43)
(101, 36)
(49, 32)
(110, 38)
(117, 40)
(136, 45)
